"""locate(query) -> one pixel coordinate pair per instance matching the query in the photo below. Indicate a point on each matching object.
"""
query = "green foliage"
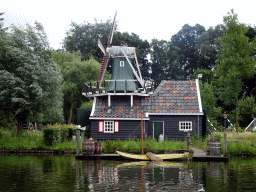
(75, 73)
(234, 59)
(246, 111)
(186, 40)
(29, 79)
(207, 47)
(209, 100)
(7, 121)
(87, 105)
(165, 65)
(243, 147)
(83, 37)
(218, 137)
(54, 134)
(26, 140)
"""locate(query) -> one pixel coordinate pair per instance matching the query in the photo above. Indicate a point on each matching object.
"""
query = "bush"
(218, 137)
(58, 133)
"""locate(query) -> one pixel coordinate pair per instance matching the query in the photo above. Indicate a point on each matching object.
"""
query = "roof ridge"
(159, 86)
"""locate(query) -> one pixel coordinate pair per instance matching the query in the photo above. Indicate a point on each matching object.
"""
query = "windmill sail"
(106, 56)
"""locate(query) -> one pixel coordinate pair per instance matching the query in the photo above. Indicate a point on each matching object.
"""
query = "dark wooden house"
(172, 109)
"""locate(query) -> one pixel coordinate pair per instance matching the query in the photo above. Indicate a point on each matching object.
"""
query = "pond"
(65, 173)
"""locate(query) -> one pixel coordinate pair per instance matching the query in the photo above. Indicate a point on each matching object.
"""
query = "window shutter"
(101, 126)
(116, 127)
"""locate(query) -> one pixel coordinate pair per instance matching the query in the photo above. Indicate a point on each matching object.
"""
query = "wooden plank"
(152, 157)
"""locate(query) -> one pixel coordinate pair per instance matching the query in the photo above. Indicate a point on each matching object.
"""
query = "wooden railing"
(93, 87)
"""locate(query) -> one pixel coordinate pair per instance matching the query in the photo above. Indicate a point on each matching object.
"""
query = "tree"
(246, 110)
(84, 38)
(186, 40)
(164, 57)
(29, 79)
(75, 73)
(234, 61)
(207, 47)
(209, 100)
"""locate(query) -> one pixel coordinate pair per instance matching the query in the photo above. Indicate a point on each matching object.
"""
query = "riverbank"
(239, 144)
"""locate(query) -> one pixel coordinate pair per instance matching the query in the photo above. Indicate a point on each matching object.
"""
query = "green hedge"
(58, 133)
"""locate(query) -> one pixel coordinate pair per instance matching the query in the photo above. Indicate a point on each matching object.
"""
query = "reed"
(133, 145)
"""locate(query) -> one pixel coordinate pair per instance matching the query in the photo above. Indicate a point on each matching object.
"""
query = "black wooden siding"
(171, 125)
(126, 129)
(133, 128)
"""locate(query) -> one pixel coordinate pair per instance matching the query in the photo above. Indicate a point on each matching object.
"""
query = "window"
(121, 63)
(108, 126)
(185, 125)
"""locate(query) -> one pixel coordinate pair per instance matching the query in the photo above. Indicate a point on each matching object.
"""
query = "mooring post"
(142, 151)
(188, 140)
(225, 134)
(78, 142)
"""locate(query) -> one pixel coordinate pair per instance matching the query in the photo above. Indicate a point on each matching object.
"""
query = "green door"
(158, 129)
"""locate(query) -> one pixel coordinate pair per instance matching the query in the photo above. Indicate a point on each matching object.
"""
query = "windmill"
(123, 71)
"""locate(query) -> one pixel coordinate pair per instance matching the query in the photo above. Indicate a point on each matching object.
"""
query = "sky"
(149, 19)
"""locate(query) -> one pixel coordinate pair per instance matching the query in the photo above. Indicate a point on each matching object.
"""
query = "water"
(65, 173)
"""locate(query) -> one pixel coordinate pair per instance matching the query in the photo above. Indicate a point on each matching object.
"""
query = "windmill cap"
(115, 51)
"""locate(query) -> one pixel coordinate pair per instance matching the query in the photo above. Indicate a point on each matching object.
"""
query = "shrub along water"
(57, 133)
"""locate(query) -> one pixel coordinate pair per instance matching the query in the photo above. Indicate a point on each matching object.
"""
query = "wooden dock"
(200, 155)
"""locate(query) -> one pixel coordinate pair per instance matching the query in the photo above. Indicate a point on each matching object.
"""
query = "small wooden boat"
(145, 157)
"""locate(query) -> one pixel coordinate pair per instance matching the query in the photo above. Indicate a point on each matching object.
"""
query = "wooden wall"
(126, 129)
(171, 125)
(133, 128)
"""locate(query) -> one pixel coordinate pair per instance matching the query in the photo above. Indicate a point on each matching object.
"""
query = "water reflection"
(136, 176)
(65, 173)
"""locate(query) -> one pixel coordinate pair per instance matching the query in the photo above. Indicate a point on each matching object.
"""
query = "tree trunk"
(21, 118)
(70, 114)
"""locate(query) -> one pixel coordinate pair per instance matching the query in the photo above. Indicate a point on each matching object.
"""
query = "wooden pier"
(200, 155)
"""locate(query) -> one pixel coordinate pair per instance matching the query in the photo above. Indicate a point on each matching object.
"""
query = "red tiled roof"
(169, 97)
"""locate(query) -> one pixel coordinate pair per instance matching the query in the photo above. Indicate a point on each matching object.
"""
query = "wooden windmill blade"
(106, 52)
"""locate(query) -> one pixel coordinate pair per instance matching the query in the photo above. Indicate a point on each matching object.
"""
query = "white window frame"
(109, 126)
(185, 126)
(121, 63)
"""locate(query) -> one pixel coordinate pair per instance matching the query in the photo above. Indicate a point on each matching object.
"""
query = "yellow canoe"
(145, 158)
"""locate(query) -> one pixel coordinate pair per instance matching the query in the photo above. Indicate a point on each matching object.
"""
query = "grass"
(134, 145)
(238, 143)
(27, 140)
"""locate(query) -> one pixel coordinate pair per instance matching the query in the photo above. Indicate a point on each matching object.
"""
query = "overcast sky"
(149, 19)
